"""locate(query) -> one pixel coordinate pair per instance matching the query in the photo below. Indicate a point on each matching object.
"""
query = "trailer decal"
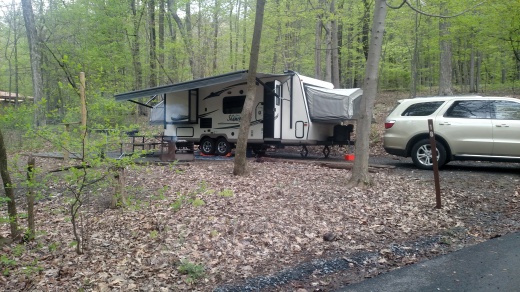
(218, 93)
(253, 123)
(206, 114)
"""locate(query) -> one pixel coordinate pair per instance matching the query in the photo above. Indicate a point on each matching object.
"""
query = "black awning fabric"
(197, 83)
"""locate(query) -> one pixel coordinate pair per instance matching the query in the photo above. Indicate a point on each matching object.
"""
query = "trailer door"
(272, 110)
(278, 110)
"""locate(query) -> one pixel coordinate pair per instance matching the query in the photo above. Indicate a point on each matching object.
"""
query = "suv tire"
(422, 157)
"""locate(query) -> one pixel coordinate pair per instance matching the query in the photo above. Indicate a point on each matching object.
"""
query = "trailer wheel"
(304, 152)
(223, 147)
(207, 146)
(326, 151)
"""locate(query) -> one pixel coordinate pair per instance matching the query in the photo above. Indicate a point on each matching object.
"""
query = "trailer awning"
(193, 84)
(198, 83)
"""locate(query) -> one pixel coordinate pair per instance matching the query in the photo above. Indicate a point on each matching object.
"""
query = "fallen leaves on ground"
(280, 215)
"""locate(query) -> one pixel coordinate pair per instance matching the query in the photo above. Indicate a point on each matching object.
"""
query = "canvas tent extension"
(333, 105)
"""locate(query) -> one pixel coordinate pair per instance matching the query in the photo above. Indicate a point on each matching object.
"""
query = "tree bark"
(153, 45)
(334, 45)
(240, 165)
(162, 10)
(8, 187)
(185, 30)
(35, 57)
(366, 28)
(244, 35)
(445, 58)
(415, 58)
(317, 47)
(360, 176)
(216, 25)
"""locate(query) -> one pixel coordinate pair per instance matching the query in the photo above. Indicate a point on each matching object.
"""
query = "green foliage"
(53, 246)
(198, 202)
(191, 270)
(154, 234)
(226, 193)
(6, 264)
(18, 250)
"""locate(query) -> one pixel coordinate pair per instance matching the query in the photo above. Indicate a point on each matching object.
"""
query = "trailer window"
(233, 104)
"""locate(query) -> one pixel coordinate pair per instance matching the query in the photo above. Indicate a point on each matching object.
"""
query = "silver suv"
(466, 128)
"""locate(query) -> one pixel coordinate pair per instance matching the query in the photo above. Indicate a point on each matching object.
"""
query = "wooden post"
(433, 146)
(119, 195)
(31, 162)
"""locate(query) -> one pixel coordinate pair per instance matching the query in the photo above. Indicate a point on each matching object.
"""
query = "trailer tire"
(207, 146)
(222, 147)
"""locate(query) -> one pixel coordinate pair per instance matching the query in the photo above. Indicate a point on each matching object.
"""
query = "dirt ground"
(291, 225)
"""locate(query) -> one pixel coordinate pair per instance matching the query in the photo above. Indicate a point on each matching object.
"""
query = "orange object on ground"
(349, 157)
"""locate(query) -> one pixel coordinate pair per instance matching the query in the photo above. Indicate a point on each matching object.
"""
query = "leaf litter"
(286, 226)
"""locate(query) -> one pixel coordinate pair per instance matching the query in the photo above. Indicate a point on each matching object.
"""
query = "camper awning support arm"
(153, 97)
(140, 103)
(263, 84)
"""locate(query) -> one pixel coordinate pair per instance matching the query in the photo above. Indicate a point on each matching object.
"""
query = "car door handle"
(502, 125)
(444, 124)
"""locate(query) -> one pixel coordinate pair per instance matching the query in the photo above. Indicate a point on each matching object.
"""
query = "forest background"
(128, 45)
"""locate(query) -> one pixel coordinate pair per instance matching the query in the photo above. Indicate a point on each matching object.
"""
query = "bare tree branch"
(433, 15)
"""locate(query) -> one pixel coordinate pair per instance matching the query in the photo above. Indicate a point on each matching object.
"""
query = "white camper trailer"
(289, 110)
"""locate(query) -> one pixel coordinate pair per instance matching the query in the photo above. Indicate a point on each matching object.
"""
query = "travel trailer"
(289, 110)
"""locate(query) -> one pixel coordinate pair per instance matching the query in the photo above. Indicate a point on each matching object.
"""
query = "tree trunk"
(445, 58)
(472, 81)
(240, 165)
(136, 52)
(237, 34)
(230, 17)
(415, 58)
(328, 54)
(317, 47)
(360, 176)
(186, 30)
(30, 196)
(162, 77)
(216, 25)
(9, 193)
(35, 56)
(366, 28)
(334, 45)
(244, 35)
(153, 45)
(340, 43)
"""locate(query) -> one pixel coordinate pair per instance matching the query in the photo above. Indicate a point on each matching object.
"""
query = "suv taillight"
(389, 124)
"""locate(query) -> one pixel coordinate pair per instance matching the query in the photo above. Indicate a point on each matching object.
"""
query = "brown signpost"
(433, 146)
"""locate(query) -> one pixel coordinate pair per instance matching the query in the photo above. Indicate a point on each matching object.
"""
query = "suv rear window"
(507, 110)
(469, 109)
(422, 109)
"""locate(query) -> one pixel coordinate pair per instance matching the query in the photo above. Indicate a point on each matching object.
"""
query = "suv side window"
(469, 109)
(507, 110)
(422, 109)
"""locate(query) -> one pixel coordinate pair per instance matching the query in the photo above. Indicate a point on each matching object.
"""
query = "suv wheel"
(422, 154)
